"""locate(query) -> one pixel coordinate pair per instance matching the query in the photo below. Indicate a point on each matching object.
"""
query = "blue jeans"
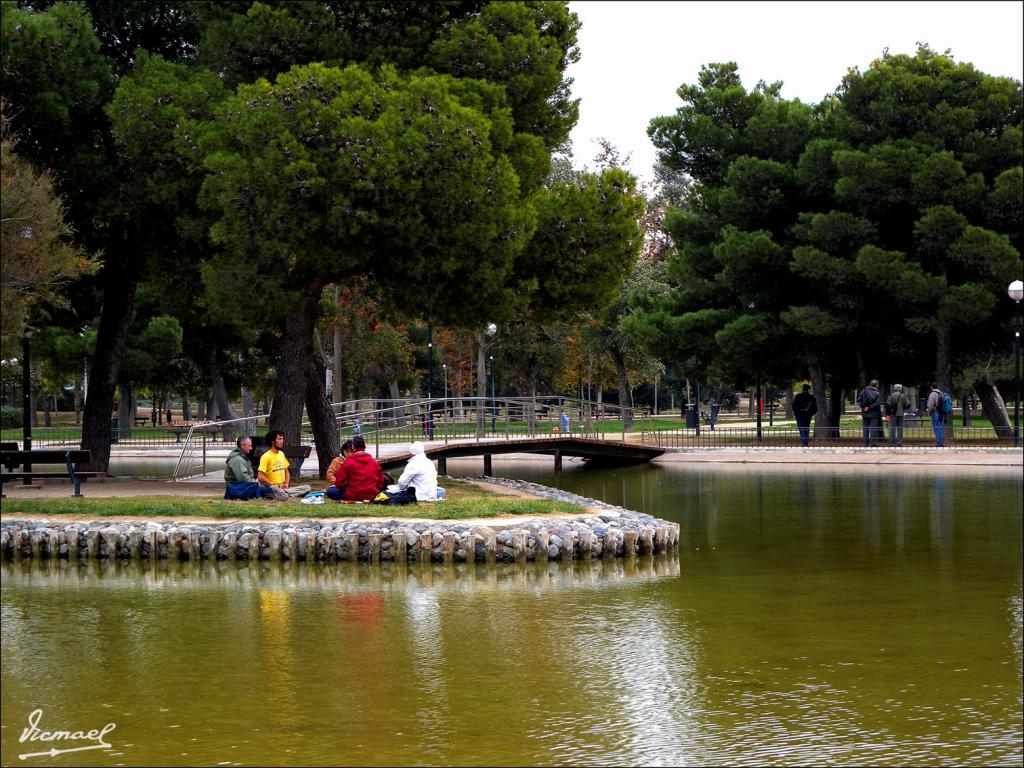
(332, 492)
(937, 428)
(872, 429)
(805, 430)
(245, 491)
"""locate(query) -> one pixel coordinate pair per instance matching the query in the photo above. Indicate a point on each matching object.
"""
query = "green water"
(827, 617)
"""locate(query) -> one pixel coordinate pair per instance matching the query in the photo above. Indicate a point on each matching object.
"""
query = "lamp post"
(494, 404)
(1016, 292)
(444, 367)
(752, 306)
(26, 402)
(430, 382)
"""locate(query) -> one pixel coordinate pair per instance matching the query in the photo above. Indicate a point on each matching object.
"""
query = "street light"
(1016, 292)
(444, 367)
(751, 306)
(494, 404)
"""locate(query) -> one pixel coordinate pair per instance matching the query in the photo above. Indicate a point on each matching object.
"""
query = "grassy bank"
(465, 500)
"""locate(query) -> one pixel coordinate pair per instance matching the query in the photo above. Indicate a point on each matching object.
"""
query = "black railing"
(844, 437)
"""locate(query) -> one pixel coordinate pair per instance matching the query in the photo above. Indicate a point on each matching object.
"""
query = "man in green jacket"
(895, 407)
(238, 474)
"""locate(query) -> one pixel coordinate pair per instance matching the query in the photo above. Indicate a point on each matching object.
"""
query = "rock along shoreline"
(603, 531)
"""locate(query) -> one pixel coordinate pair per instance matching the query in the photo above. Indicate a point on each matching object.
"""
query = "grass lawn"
(465, 500)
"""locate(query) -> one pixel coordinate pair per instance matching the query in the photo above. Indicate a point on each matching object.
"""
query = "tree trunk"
(397, 414)
(943, 359)
(321, 417)
(78, 402)
(994, 408)
(293, 367)
(32, 406)
(186, 408)
(125, 409)
(220, 395)
(248, 411)
(115, 317)
(481, 382)
(625, 396)
(821, 419)
(835, 413)
(336, 395)
(789, 401)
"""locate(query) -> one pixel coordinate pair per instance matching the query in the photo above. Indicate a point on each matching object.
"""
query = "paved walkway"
(916, 460)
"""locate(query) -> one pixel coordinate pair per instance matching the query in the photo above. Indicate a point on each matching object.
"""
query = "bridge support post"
(558, 461)
(487, 465)
(442, 467)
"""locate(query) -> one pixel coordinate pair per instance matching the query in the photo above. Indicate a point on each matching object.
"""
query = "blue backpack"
(945, 403)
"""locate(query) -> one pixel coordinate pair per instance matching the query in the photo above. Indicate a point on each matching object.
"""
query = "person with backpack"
(936, 401)
(895, 407)
(804, 408)
(870, 402)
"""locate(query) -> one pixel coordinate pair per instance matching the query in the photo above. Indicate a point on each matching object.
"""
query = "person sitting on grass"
(420, 477)
(331, 490)
(273, 463)
(359, 478)
(238, 474)
(274, 468)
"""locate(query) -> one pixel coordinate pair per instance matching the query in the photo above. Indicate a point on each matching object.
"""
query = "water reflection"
(820, 618)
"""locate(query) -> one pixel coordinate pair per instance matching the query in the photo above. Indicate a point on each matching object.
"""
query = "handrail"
(392, 419)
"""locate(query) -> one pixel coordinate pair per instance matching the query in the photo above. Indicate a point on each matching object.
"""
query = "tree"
(329, 175)
(838, 237)
(932, 144)
(60, 65)
(38, 257)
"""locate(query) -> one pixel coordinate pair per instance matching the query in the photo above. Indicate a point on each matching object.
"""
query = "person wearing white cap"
(420, 474)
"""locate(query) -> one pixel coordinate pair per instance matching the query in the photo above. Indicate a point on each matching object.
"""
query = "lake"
(826, 616)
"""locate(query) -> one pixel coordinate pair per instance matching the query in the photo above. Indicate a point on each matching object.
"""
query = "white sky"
(634, 55)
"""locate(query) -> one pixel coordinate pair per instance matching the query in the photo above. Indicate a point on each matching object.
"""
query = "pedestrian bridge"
(597, 451)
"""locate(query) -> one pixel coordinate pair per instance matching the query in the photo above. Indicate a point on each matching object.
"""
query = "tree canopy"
(869, 236)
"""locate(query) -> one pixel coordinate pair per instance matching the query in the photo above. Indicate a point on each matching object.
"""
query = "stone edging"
(617, 533)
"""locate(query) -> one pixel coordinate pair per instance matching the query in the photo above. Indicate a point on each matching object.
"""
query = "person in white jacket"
(420, 474)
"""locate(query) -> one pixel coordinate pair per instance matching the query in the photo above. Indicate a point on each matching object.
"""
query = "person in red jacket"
(360, 477)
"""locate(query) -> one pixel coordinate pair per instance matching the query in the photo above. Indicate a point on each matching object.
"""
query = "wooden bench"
(141, 421)
(182, 428)
(70, 458)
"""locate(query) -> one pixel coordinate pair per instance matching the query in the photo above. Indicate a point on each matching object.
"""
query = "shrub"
(9, 417)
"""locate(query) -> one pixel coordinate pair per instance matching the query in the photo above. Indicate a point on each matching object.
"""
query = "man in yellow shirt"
(273, 469)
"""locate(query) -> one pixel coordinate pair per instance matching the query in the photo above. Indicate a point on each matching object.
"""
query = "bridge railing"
(388, 422)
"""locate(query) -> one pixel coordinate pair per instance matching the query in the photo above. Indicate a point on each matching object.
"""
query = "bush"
(9, 417)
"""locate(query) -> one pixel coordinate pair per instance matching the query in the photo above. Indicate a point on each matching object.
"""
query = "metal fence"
(389, 422)
(916, 436)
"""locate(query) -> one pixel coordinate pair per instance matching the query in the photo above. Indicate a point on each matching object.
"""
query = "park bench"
(182, 427)
(70, 458)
